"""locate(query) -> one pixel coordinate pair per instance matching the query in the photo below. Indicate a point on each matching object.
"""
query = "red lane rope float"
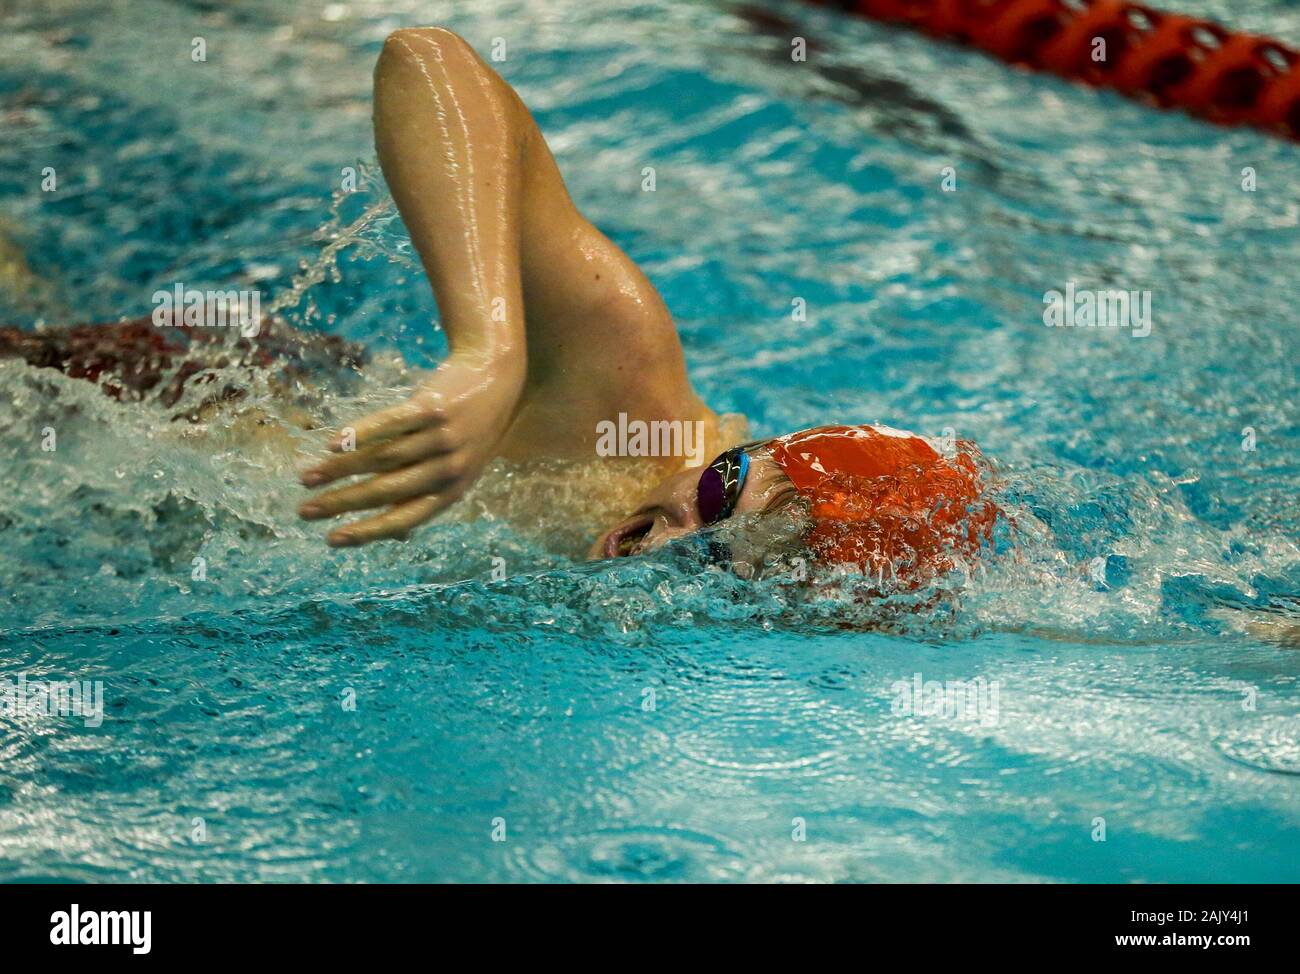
(1163, 58)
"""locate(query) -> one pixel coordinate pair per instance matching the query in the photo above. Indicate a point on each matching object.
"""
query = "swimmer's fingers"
(382, 489)
(395, 523)
(407, 417)
(381, 457)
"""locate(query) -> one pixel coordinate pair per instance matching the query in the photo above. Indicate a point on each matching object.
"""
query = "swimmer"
(555, 334)
(554, 331)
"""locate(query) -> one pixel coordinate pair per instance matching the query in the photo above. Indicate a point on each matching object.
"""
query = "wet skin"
(552, 329)
(671, 510)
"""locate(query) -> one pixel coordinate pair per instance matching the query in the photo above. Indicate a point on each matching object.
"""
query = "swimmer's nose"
(676, 520)
(661, 534)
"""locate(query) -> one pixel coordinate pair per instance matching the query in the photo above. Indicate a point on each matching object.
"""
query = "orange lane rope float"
(1166, 59)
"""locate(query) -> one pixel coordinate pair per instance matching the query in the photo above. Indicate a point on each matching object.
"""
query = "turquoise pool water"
(399, 713)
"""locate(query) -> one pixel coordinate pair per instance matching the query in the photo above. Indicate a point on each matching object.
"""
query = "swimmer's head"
(869, 497)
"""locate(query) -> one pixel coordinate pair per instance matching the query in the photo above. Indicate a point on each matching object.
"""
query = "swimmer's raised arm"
(449, 147)
(497, 233)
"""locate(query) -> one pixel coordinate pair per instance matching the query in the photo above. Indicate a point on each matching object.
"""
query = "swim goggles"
(720, 485)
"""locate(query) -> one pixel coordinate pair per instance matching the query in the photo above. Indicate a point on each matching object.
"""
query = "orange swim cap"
(885, 500)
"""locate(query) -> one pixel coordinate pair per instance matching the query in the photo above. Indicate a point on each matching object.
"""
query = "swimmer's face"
(672, 509)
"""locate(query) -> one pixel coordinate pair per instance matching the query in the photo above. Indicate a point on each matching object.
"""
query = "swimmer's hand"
(423, 454)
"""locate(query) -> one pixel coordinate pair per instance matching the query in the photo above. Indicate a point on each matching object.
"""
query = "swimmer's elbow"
(420, 43)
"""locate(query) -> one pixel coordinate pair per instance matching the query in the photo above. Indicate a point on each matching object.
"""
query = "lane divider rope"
(1165, 59)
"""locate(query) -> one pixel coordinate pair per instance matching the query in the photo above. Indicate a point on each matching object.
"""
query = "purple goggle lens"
(720, 485)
